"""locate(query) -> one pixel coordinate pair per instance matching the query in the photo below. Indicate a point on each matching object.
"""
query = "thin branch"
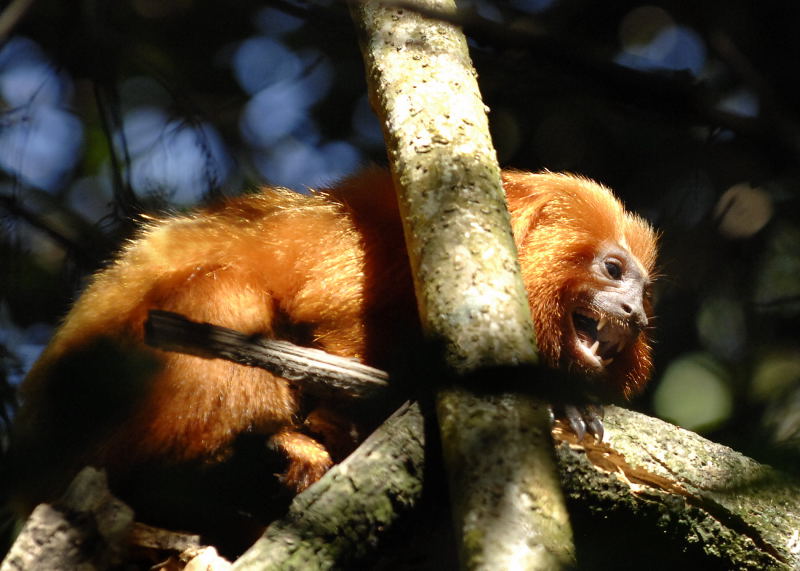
(110, 121)
(12, 16)
(321, 374)
(14, 207)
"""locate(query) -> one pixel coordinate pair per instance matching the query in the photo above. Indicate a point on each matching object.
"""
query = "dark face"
(608, 312)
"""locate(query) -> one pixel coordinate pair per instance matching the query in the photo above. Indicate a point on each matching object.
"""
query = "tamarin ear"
(525, 202)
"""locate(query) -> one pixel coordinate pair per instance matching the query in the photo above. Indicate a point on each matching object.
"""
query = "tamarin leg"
(308, 459)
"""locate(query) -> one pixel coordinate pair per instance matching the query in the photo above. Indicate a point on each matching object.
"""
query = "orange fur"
(558, 222)
(327, 270)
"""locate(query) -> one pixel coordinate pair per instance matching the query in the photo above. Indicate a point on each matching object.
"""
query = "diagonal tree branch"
(472, 302)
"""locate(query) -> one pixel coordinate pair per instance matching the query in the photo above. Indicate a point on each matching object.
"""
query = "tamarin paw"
(308, 459)
(585, 419)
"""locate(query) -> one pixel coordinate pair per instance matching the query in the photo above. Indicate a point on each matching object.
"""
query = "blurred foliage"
(112, 110)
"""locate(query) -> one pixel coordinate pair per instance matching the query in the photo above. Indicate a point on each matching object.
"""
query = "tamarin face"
(587, 266)
(608, 312)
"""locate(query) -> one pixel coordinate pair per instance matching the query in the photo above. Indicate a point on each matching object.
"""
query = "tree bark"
(86, 529)
(340, 518)
(657, 496)
(508, 507)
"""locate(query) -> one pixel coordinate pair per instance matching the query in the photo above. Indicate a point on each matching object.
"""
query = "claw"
(585, 419)
(595, 427)
(593, 415)
(575, 419)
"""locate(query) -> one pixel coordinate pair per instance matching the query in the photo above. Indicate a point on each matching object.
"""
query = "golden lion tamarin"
(327, 270)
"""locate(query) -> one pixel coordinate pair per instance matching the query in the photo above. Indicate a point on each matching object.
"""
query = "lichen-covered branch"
(470, 294)
(463, 257)
(86, 529)
(662, 497)
(341, 517)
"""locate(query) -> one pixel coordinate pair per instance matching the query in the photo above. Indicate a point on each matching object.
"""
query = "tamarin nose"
(635, 313)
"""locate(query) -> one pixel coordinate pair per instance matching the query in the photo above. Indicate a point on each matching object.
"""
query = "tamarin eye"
(614, 269)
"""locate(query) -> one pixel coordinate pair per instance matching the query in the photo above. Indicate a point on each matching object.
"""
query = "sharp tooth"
(606, 362)
(601, 323)
(621, 345)
(594, 347)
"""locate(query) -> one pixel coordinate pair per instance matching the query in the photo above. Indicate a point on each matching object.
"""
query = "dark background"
(111, 110)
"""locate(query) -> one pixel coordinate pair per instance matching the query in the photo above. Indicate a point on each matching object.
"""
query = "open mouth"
(598, 339)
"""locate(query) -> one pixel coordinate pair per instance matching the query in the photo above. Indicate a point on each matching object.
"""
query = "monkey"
(328, 270)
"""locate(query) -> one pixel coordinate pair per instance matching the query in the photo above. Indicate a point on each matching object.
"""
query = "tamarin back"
(327, 270)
